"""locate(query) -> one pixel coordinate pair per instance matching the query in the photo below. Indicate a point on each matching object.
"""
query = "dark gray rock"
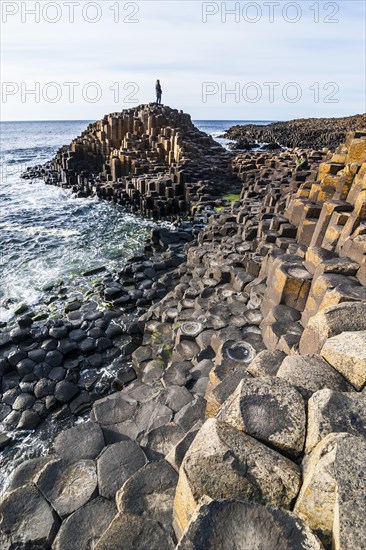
(27, 520)
(27, 383)
(87, 346)
(113, 433)
(10, 380)
(96, 333)
(95, 360)
(152, 371)
(65, 391)
(49, 344)
(40, 408)
(16, 355)
(72, 306)
(72, 362)
(177, 452)
(23, 401)
(4, 441)
(116, 464)
(237, 522)
(92, 315)
(150, 492)
(81, 403)
(25, 366)
(87, 379)
(4, 366)
(4, 411)
(217, 395)
(5, 339)
(124, 376)
(37, 355)
(177, 374)
(134, 533)
(57, 374)
(202, 369)
(12, 419)
(266, 363)
(113, 330)
(19, 335)
(189, 415)
(103, 344)
(158, 443)
(152, 415)
(29, 420)
(67, 346)
(54, 358)
(141, 392)
(44, 387)
(84, 441)
(83, 528)
(77, 334)
(141, 354)
(25, 472)
(58, 332)
(10, 395)
(67, 486)
(175, 397)
(114, 408)
(42, 370)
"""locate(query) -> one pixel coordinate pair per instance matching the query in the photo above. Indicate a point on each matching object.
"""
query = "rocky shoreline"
(236, 414)
(313, 133)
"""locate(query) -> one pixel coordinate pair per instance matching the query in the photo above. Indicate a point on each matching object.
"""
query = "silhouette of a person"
(158, 91)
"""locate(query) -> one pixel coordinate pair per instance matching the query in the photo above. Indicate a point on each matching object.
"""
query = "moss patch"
(229, 198)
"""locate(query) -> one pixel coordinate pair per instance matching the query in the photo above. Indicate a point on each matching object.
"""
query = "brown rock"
(270, 410)
(349, 316)
(346, 352)
(225, 463)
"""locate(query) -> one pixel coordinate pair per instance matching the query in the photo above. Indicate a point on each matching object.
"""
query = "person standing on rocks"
(158, 91)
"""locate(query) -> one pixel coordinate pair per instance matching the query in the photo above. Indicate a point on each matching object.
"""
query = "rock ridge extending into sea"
(237, 416)
(305, 132)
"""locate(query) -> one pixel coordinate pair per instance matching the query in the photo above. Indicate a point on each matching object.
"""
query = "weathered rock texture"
(307, 132)
(241, 381)
(150, 158)
(243, 525)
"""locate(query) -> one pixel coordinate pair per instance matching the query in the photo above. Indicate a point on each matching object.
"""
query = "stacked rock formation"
(246, 425)
(150, 158)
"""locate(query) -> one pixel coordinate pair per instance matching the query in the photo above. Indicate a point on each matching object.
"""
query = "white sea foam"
(39, 230)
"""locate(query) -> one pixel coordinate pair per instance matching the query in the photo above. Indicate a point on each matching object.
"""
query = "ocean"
(48, 235)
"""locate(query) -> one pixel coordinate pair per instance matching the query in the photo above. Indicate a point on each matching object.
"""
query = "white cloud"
(171, 42)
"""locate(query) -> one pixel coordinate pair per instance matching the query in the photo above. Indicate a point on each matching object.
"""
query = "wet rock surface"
(216, 364)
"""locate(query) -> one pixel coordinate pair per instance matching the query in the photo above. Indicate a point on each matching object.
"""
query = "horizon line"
(201, 119)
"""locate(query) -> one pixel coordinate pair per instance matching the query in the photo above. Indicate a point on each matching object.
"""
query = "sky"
(252, 60)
